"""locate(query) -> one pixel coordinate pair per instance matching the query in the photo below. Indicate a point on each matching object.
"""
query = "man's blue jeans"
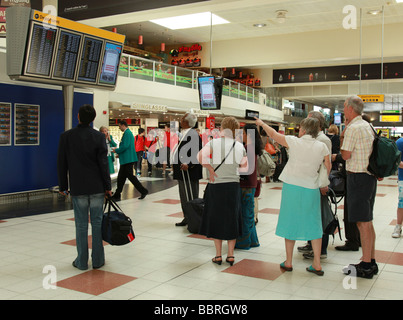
(94, 205)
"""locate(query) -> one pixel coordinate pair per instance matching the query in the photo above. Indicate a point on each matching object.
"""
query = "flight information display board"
(67, 55)
(26, 129)
(40, 51)
(109, 70)
(60, 51)
(90, 58)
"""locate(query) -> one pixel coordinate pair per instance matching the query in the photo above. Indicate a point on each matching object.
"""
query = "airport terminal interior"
(270, 59)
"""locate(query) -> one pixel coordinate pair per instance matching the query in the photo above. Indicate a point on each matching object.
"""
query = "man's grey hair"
(318, 115)
(191, 119)
(356, 103)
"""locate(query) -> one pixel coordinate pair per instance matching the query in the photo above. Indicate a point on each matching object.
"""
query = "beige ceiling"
(303, 16)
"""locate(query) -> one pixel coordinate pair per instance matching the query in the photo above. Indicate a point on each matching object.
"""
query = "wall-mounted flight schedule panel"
(26, 129)
(68, 47)
(5, 124)
(90, 58)
(40, 51)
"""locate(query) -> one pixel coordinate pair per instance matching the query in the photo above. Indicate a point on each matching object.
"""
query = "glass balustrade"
(144, 69)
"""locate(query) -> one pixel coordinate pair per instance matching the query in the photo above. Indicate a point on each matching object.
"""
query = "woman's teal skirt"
(300, 215)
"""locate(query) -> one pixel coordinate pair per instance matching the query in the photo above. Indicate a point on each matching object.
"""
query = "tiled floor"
(166, 262)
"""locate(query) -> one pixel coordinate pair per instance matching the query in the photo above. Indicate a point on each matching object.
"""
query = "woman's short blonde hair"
(229, 124)
(333, 129)
(311, 126)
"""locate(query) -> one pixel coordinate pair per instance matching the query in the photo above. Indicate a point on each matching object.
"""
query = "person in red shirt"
(151, 144)
(139, 144)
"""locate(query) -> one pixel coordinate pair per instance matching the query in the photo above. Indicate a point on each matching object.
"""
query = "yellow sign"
(76, 26)
(372, 97)
(390, 118)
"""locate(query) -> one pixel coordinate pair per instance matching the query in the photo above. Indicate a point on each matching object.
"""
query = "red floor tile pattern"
(176, 215)
(95, 282)
(277, 188)
(270, 210)
(388, 257)
(199, 236)
(168, 201)
(73, 242)
(256, 269)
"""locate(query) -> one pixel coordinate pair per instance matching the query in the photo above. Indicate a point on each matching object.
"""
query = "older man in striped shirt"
(361, 185)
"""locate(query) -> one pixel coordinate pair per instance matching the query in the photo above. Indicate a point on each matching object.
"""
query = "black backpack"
(385, 157)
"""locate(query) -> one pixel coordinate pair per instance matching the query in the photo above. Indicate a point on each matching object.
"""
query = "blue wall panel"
(24, 168)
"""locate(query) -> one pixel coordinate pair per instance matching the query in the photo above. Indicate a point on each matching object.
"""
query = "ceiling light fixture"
(399, 1)
(374, 12)
(190, 21)
(259, 25)
(281, 15)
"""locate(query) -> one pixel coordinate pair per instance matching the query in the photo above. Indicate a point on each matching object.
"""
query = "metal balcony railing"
(140, 68)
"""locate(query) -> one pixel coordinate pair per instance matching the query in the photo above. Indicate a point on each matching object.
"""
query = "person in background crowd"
(251, 140)
(185, 162)
(127, 157)
(139, 144)
(300, 219)
(308, 254)
(398, 228)
(165, 152)
(222, 218)
(83, 164)
(110, 143)
(151, 143)
(333, 135)
(361, 185)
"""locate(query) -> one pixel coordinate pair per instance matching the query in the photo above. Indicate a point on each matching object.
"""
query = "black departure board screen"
(67, 55)
(89, 62)
(40, 54)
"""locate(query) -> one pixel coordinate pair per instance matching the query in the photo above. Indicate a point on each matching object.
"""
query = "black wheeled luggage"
(193, 208)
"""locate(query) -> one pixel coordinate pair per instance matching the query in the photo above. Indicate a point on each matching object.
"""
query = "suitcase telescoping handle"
(190, 185)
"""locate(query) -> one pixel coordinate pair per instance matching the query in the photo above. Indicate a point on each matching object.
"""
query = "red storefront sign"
(195, 47)
(2, 15)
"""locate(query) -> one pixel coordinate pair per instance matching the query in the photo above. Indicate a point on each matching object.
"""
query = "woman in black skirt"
(222, 217)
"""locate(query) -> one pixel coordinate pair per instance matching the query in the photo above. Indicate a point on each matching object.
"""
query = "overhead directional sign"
(372, 97)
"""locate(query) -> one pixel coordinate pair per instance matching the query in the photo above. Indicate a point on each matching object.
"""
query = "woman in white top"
(110, 143)
(300, 213)
(222, 216)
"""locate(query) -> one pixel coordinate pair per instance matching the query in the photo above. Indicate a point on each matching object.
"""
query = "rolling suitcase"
(193, 208)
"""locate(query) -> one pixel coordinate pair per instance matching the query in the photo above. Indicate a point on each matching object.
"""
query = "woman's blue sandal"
(313, 270)
(284, 267)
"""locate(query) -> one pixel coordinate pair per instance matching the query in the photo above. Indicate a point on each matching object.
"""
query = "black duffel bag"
(117, 228)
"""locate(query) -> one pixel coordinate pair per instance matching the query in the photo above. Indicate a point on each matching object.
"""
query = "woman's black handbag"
(330, 221)
(337, 182)
(117, 228)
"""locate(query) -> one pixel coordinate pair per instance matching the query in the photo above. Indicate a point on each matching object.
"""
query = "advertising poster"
(2, 22)
(88, 9)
